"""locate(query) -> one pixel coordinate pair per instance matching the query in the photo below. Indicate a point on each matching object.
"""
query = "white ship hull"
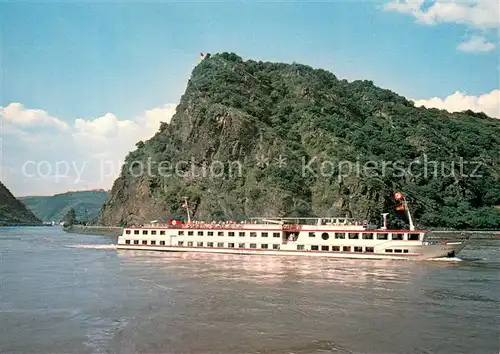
(426, 253)
(334, 239)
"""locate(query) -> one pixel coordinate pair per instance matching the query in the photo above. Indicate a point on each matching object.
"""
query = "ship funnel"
(384, 215)
(185, 206)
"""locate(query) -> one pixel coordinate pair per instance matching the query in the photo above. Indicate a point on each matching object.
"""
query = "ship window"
(200, 233)
(220, 233)
(413, 237)
(127, 242)
(325, 236)
(358, 249)
(127, 232)
(336, 248)
(276, 234)
(314, 248)
(253, 245)
(162, 243)
(210, 244)
(264, 245)
(339, 235)
(405, 251)
(144, 232)
(346, 249)
(190, 244)
(210, 233)
(220, 244)
(369, 249)
(312, 234)
(180, 243)
(241, 245)
(397, 236)
(276, 246)
(180, 233)
(162, 232)
(144, 242)
(368, 236)
(398, 251)
(382, 237)
(242, 234)
(300, 247)
(230, 245)
(199, 244)
(153, 242)
(190, 233)
(388, 250)
(353, 235)
(230, 233)
(153, 232)
(325, 248)
(262, 234)
(136, 242)
(136, 232)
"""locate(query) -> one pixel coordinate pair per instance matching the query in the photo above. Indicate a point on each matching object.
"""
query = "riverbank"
(94, 230)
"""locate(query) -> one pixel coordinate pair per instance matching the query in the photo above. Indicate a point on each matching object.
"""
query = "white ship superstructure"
(315, 237)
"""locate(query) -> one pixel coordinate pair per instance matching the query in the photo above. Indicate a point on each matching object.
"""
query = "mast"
(401, 198)
(410, 219)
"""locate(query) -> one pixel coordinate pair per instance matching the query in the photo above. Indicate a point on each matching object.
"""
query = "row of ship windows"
(201, 233)
(144, 232)
(274, 246)
(397, 250)
(366, 236)
(325, 236)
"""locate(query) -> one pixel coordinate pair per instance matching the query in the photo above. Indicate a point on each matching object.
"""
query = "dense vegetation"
(13, 212)
(275, 119)
(53, 208)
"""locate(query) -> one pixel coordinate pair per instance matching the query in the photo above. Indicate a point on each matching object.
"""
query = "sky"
(83, 82)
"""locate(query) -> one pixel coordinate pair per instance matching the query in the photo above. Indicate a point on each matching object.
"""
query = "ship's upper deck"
(291, 224)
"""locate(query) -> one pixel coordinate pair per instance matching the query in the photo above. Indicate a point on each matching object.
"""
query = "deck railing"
(203, 225)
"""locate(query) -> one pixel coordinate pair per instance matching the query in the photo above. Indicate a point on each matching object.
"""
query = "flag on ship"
(400, 207)
(399, 196)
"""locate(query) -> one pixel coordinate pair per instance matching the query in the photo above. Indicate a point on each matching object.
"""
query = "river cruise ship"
(314, 237)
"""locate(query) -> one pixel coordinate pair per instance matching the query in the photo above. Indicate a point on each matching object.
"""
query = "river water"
(70, 293)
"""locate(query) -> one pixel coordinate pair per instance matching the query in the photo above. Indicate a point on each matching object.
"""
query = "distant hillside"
(12, 211)
(86, 204)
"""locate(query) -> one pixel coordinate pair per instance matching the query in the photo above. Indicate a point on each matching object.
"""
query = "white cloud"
(107, 137)
(19, 116)
(480, 15)
(477, 14)
(488, 103)
(44, 155)
(476, 44)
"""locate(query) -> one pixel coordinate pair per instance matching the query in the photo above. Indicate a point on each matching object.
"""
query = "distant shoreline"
(26, 225)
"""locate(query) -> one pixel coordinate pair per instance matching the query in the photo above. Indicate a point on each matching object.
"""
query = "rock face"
(270, 139)
(13, 212)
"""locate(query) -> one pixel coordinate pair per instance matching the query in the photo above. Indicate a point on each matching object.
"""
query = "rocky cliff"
(271, 139)
(13, 212)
